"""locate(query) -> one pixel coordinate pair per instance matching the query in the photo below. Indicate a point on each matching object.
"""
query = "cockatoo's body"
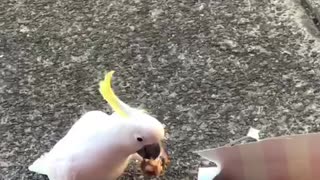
(99, 146)
(101, 157)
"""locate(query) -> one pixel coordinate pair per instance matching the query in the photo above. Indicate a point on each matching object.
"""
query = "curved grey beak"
(151, 151)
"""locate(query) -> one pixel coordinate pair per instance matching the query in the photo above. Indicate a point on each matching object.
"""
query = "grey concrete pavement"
(207, 69)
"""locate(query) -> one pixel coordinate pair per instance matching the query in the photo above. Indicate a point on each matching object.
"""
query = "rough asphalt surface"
(207, 69)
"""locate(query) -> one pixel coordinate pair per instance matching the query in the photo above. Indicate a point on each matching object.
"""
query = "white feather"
(80, 145)
(40, 165)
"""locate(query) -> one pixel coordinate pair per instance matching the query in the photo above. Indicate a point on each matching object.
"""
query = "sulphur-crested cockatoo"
(99, 146)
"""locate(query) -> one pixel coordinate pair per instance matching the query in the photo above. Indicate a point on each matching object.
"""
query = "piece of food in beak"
(152, 167)
(156, 167)
(151, 151)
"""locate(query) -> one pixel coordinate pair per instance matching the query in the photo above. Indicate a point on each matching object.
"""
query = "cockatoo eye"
(139, 139)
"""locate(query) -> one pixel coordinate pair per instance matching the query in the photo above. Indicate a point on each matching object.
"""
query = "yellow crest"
(108, 95)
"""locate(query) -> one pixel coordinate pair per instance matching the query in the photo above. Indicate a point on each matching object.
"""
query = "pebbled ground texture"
(207, 69)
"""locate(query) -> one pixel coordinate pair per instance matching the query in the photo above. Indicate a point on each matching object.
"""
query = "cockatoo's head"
(142, 131)
(147, 133)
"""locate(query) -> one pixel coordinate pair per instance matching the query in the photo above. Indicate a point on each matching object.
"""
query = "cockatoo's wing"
(40, 165)
(47, 165)
(79, 137)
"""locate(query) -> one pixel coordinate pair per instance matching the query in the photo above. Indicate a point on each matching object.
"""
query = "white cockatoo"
(99, 146)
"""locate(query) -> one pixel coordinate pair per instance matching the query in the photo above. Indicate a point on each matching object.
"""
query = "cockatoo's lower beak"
(151, 151)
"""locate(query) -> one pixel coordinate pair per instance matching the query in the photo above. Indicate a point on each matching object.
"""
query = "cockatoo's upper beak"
(151, 151)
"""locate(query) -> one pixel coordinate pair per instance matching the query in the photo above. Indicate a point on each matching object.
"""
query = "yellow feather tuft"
(108, 95)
